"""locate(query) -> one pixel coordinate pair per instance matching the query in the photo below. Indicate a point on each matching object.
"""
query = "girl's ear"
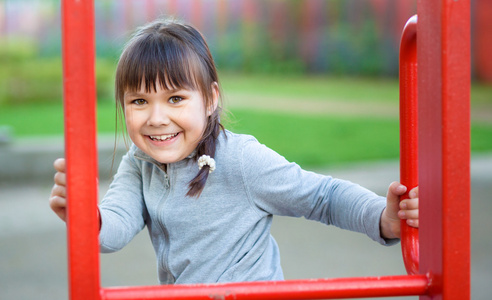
(215, 99)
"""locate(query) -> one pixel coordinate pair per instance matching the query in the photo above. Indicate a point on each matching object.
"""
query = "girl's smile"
(164, 137)
(163, 140)
(166, 124)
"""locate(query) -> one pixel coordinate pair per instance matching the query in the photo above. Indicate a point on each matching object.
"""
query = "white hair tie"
(206, 160)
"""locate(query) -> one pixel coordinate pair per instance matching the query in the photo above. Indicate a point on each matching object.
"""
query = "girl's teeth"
(162, 137)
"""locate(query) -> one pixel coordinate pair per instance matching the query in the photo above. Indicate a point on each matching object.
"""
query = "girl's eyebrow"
(138, 94)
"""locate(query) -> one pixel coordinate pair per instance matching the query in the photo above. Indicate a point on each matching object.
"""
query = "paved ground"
(33, 240)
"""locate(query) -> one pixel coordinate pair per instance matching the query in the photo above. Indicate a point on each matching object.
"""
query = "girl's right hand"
(58, 197)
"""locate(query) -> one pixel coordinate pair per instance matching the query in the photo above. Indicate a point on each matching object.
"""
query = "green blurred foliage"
(31, 70)
(28, 78)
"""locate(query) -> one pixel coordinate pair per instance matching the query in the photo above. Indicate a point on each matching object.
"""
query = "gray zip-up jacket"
(224, 235)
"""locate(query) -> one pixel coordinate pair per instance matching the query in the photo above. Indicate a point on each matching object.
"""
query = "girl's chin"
(167, 156)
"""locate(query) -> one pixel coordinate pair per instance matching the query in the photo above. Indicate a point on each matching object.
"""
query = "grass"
(314, 87)
(47, 119)
(307, 139)
(315, 141)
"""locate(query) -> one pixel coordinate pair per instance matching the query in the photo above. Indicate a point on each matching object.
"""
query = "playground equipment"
(409, 136)
(437, 256)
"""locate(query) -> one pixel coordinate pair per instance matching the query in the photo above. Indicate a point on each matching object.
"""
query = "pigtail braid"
(206, 147)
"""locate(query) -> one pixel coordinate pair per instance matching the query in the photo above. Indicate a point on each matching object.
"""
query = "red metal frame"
(336, 288)
(443, 55)
(443, 51)
(409, 137)
(79, 94)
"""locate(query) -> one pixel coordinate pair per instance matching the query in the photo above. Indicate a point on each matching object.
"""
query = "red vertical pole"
(409, 137)
(443, 44)
(80, 147)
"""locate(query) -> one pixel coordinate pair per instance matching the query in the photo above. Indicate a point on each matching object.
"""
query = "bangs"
(161, 59)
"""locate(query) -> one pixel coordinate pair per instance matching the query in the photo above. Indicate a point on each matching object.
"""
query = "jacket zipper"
(160, 210)
(160, 221)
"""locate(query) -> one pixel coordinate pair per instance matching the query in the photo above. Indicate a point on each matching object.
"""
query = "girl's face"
(166, 124)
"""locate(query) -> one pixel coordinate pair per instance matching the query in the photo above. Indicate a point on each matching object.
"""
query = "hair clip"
(206, 160)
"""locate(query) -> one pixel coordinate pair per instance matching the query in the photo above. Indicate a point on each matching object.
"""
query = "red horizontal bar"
(363, 287)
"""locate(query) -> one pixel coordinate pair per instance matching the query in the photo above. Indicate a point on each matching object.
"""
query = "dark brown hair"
(176, 56)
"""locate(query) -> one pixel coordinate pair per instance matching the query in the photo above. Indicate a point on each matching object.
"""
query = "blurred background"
(322, 71)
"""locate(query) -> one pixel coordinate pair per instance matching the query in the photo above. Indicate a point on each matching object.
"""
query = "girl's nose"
(158, 116)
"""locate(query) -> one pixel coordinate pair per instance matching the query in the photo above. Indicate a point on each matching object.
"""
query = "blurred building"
(333, 36)
(482, 39)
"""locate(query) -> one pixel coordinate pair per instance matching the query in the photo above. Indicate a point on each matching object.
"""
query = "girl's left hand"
(397, 210)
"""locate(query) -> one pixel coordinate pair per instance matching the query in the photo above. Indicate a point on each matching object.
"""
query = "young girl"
(207, 195)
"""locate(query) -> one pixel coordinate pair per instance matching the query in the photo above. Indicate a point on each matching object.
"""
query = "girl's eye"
(139, 101)
(175, 99)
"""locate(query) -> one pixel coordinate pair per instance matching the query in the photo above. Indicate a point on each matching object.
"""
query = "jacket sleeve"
(122, 209)
(276, 186)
